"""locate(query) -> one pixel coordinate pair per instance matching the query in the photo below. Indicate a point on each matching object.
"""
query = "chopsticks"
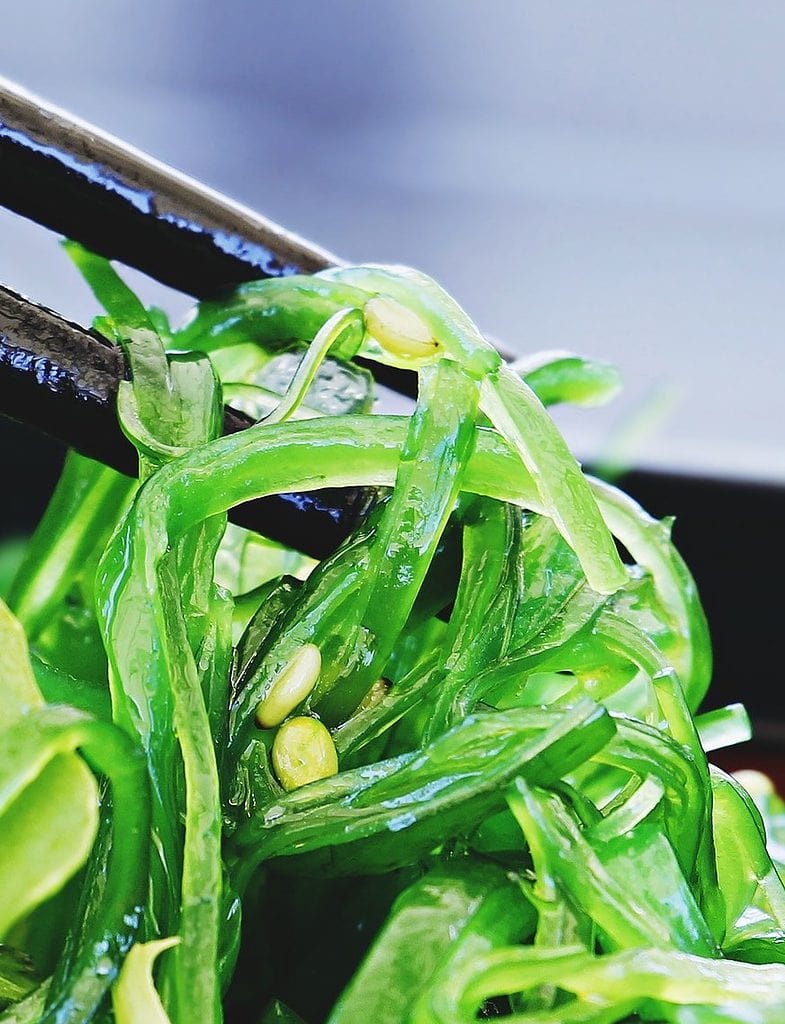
(63, 380)
(59, 377)
(85, 184)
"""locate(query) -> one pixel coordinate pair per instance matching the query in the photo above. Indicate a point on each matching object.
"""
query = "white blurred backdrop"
(606, 177)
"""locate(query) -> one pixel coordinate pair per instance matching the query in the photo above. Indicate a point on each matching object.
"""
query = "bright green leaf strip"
(18, 689)
(518, 415)
(79, 517)
(648, 541)
(565, 377)
(609, 988)
(28, 748)
(454, 912)
(346, 322)
(134, 998)
(438, 445)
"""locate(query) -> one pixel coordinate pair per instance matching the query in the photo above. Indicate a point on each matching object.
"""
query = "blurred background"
(604, 177)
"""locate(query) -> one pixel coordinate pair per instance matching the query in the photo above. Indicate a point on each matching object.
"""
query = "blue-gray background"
(607, 177)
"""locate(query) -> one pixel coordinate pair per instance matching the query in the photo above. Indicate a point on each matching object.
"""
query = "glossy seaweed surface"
(455, 768)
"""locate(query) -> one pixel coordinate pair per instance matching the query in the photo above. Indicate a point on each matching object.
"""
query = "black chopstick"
(63, 380)
(85, 184)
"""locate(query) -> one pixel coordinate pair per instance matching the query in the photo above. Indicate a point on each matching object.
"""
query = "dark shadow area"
(30, 465)
(730, 535)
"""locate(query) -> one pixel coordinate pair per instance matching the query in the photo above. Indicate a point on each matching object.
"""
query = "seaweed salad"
(456, 769)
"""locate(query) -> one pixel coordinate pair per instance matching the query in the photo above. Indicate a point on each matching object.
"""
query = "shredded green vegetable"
(457, 769)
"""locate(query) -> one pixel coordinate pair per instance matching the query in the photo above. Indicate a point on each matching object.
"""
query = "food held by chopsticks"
(455, 768)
